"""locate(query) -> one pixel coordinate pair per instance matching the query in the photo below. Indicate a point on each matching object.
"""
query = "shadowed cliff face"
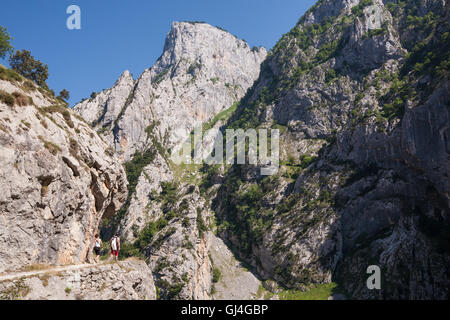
(57, 180)
(359, 90)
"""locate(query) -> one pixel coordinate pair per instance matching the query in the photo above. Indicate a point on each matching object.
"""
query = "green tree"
(5, 45)
(64, 94)
(24, 63)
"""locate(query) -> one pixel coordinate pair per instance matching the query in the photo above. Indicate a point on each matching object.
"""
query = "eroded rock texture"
(56, 180)
(125, 280)
(359, 90)
(202, 71)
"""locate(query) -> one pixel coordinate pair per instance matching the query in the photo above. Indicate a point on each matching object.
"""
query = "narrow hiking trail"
(129, 279)
(25, 274)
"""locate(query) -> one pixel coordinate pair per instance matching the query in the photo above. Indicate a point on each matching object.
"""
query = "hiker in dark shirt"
(97, 247)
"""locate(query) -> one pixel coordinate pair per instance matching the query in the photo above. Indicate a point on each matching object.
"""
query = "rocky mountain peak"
(199, 42)
(125, 77)
(203, 70)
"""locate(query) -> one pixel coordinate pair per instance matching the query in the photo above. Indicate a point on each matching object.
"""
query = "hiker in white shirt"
(115, 246)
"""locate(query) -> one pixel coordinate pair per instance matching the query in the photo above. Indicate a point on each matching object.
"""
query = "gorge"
(359, 93)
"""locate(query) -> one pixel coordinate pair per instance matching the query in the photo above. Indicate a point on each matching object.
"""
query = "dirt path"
(26, 274)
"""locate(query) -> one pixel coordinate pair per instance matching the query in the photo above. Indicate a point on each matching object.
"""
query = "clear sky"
(118, 35)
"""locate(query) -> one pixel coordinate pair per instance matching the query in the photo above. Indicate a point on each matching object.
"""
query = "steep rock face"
(202, 71)
(178, 254)
(56, 178)
(235, 282)
(103, 108)
(142, 209)
(363, 111)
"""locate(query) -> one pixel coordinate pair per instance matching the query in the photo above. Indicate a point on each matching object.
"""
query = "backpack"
(114, 243)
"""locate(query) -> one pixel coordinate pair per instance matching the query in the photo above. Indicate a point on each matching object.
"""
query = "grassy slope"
(318, 292)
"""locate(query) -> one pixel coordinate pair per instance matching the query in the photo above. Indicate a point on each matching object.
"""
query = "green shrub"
(216, 273)
(158, 242)
(201, 226)
(26, 123)
(162, 264)
(6, 98)
(16, 291)
(169, 192)
(306, 160)
(50, 146)
(5, 43)
(127, 250)
(63, 111)
(326, 51)
(358, 10)
(186, 222)
(10, 75)
(286, 204)
(245, 219)
(64, 95)
(148, 232)
(210, 173)
(376, 32)
(25, 64)
(21, 99)
(28, 86)
(174, 290)
(330, 75)
(133, 169)
(160, 77)
(171, 291)
(193, 67)
(135, 166)
(393, 109)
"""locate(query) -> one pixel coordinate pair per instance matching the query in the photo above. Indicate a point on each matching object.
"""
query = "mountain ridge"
(348, 99)
(191, 55)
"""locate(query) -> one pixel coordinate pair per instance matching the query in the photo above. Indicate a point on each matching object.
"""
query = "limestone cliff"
(125, 280)
(57, 177)
(202, 71)
(359, 91)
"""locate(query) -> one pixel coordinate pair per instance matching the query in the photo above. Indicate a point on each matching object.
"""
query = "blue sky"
(118, 35)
